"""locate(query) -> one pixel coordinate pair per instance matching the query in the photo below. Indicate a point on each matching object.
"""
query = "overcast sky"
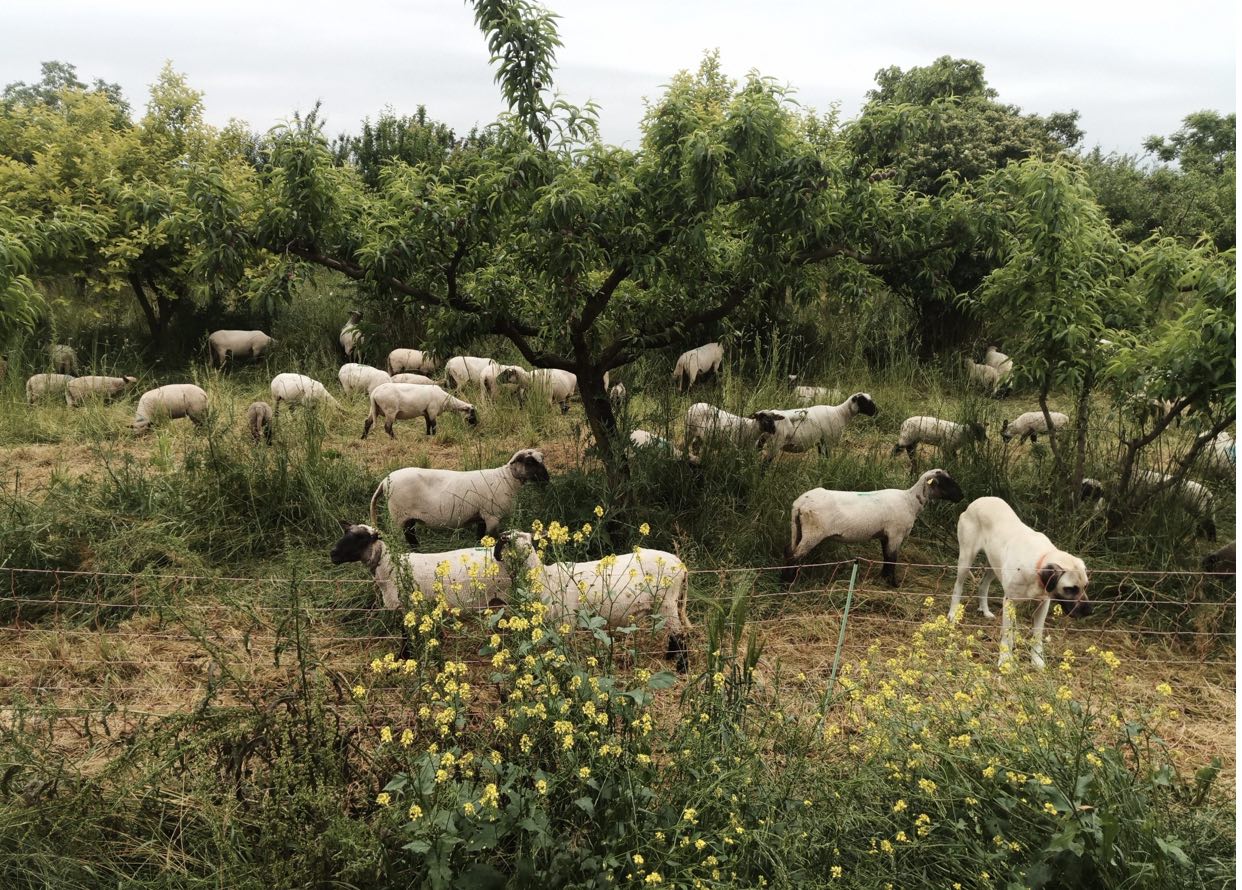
(1131, 69)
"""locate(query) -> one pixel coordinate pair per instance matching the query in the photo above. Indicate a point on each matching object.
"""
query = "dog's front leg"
(1037, 634)
(1006, 641)
(984, 583)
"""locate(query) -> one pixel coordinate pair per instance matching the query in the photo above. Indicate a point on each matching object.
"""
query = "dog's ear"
(1049, 575)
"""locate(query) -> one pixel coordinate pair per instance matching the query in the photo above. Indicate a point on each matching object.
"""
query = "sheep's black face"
(472, 417)
(356, 541)
(1005, 434)
(1091, 490)
(979, 431)
(766, 421)
(528, 466)
(864, 404)
(945, 488)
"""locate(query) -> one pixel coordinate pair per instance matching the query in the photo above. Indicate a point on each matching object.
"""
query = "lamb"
(821, 425)
(696, 364)
(1031, 424)
(463, 369)
(812, 395)
(170, 402)
(944, 434)
(471, 578)
(413, 378)
(1191, 495)
(554, 383)
(226, 345)
(298, 389)
(81, 388)
(351, 336)
(857, 516)
(452, 498)
(400, 360)
(400, 401)
(619, 588)
(259, 420)
(704, 421)
(984, 376)
(39, 385)
(357, 378)
(64, 359)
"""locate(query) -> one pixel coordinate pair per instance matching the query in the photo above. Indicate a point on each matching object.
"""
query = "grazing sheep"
(620, 588)
(452, 498)
(401, 401)
(944, 434)
(422, 379)
(820, 425)
(356, 378)
(1220, 456)
(996, 359)
(618, 396)
(644, 439)
(557, 385)
(1029, 567)
(469, 578)
(463, 369)
(400, 360)
(704, 421)
(812, 395)
(854, 517)
(64, 359)
(1191, 495)
(1031, 424)
(81, 388)
(984, 376)
(238, 345)
(259, 420)
(351, 336)
(696, 364)
(39, 385)
(168, 403)
(298, 389)
(1223, 561)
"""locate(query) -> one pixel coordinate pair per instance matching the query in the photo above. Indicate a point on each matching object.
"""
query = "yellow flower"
(886, 846)
(638, 859)
(1050, 809)
(900, 837)
(360, 691)
(1164, 689)
(599, 512)
(407, 738)
(1110, 659)
(927, 786)
(899, 806)
(584, 772)
(653, 878)
(386, 734)
(468, 808)
(383, 799)
(690, 814)
(644, 529)
(542, 786)
(836, 871)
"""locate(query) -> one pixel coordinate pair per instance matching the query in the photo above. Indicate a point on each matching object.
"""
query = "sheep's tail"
(795, 533)
(379, 489)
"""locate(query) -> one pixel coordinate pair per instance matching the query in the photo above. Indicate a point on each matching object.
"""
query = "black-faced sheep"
(820, 425)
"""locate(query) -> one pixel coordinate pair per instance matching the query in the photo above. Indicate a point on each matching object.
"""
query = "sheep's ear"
(1049, 575)
(498, 549)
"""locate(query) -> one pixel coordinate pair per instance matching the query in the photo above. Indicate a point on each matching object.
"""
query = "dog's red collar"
(1039, 563)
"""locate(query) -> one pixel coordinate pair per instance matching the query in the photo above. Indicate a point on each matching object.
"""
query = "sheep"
(226, 345)
(1222, 561)
(620, 588)
(463, 369)
(555, 384)
(351, 336)
(644, 439)
(413, 378)
(984, 376)
(80, 388)
(39, 385)
(812, 395)
(1220, 457)
(858, 516)
(400, 360)
(705, 421)
(64, 359)
(996, 359)
(820, 425)
(471, 578)
(1030, 424)
(618, 396)
(170, 402)
(1191, 495)
(452, 498)
(259, 420)
(695, 364)
(298, 389)
(944, 434)
(356, 378)
(400, 401)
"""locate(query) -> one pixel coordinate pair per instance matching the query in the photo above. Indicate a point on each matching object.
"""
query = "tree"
(57, 77)
(415, 139)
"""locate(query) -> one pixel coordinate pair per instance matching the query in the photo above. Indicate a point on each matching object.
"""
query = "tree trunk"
(603, 423)
(1082, 418)
(1053, 445)
(148, 310)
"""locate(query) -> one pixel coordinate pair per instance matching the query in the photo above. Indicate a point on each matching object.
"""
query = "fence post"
(836, 658)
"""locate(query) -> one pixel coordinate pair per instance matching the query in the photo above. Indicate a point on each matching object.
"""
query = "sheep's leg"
(889, 571)
(984, 583)
(1037, 633)
(482, 528)
(409, 527)
(366, 426)
(1006, 643)
(795, 551)
(565, 407)
(388, 422)
(267, 433)
(677, 652)
(965, 559)
(431, 424)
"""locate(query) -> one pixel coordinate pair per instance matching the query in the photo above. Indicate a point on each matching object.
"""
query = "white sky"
(1131, 69)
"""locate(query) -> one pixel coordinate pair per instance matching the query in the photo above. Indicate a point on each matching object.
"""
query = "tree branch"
(598, 301)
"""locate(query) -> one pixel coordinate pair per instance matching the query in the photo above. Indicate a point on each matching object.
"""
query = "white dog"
(1029, 568)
